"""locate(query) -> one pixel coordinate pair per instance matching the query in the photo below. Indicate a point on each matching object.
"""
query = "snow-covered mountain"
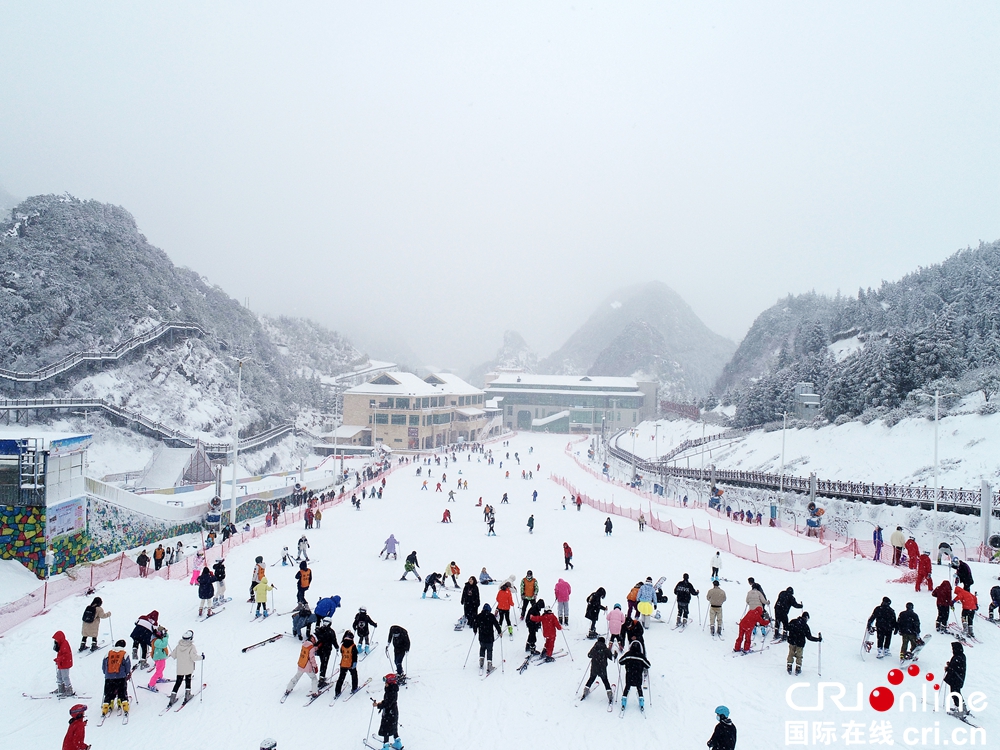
(513, 354)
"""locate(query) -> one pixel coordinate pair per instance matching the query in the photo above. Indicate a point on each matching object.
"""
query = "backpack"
(90, 613)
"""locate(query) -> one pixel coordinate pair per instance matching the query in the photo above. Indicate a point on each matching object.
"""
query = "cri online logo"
(882, 698)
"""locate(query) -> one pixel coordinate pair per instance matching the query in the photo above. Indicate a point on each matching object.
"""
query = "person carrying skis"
(912, 553)
(786, 600)
(451, 570)
(306, 666)
(75, 738)
(485, 579)
(716, 565)
(616, 621)
(64, 662)
(908, 625)
(219, 571)
(798, 633)
(884, 620)
(963, 573)
(93, 613)
(750, 620)
(969, 606)
(390, 547)
(550, 624)
(954, 678)
(599, 656)
(411, 565)
(399, 639)
(568, 555)
(484, 624)
(258, 573)
(206, 590)
(608, 526)
(562, 593)
(142, 636)
(594, 609)
(529, 590)
(924, 572)
(470, 600)
(362, 627)
(636, 663)
(260, 596)
(389, 723)
(302, 617)
(716, 598)
(186, 655)
(942, 597)
(724, 736)
(431, 582)
(683, 591)
(303, 549)
(348, 664)
(117, 668)
(161, 649)
(326, 641)
(327, 606)
(303, 580)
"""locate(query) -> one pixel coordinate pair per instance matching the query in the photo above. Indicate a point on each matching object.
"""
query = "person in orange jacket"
(750, 620)
(75, 733)
(969, 606)
(505, 603)
(924, 572)
(550, 624)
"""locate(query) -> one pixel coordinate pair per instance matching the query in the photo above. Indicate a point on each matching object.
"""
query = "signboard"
(66, 518)
(69, 445)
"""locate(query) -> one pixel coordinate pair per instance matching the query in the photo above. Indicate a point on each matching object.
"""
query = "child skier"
(969, 606)
(942, 596)
(260, 596)
(186, 655)
(258, 574)
(303, 549)
(550, 624)
(411, 565)
(93, 613)
(326, 642)
(505, 603)
(362, 627)
(303, 580)
(348, 663)
(142, 636)
(219, 571)
(616, 621)
(750, 620)
(64, 662)
(302, 617)
(161, 649)
(635, 663)
(484, 624)
(286, 558)
(431, 582)
(206, 591)
(306, 666)
(599, 656)
(724, 736)
(117, 669)
(567, 555)
(75, 738)
(594, 609)
(451, 570)
(390, 713)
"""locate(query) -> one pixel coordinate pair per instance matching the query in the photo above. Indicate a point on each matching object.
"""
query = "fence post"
(756, 554)
(91, 576)
(45, 593)
(729, 546)
(711, 539)
(792, 555)
(121, 564)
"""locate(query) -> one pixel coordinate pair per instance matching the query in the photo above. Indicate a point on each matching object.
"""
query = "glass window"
(399, 419)
(461, 400)
(402, 403)
(424, 402)
(414, 420)
(381, 418)
(388, 403)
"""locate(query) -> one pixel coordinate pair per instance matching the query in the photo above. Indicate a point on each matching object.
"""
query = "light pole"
(937, 490)
(781, 474)
(234, 500)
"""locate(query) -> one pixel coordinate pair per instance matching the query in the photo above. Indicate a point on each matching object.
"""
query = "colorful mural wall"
(22, 536)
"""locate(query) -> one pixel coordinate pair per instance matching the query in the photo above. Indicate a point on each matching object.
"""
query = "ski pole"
(370, 719)
(135, 692)
(502, 660)
(566, 641)
(201, 690)
(819, 662)
(469, 653)
(698, 599)
(112, 627)
(671, 610)
(586, 671)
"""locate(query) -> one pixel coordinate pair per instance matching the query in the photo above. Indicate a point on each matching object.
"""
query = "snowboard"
(912, 655)
(866, 644)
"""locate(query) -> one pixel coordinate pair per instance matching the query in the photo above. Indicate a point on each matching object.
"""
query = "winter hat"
(303, 565)
(886, 600)
(548, 611)
(188, 635)
(909, 606)
(805, 615)
(685, 577)
(120, 643)
(790, 590)
(650, 578)
(487, 609)
(529, 574)
(348, 635)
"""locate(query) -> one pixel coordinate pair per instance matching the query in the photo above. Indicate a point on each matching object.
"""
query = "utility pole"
(781, 474)
(234, 500)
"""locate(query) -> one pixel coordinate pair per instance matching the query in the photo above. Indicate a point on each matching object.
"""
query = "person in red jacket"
(64, 661)
(74, 739)
(912, 553)
(969, 606)
(550, 624)
(568, 555)
(942, 595)
(924, 572)
(750, 620)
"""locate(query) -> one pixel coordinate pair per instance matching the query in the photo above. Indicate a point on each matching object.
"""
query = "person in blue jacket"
(326, 606)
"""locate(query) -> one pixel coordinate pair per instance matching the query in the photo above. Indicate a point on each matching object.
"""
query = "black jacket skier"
(362, 626)
(470, 599)
(724, 736)
(599, 657)
(536, 609)
(883, 617)
(594, 609)
(485, 625)
(399, 639)
(389, 725)
(684, 591)
(963, 573)
(954, 670)
(799, 631)
(326, 642)
(636, 663)
(786, 600)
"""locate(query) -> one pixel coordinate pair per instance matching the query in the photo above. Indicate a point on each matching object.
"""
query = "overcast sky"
(441, 172)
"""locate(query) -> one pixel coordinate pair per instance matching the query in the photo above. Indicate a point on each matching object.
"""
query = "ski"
(363, 656)
(213, 613)
(361, 687)
(963, 718)
(88, 651)
(442, 596)
(379, 739)
(751, 651)
(614, 697)
(193, 696)
(460, 625)
(264, 642)
(489, 671)
(990, 620)
(104, 718)
(49, 696)
(284, 696)
(524, 664)
(314, 698)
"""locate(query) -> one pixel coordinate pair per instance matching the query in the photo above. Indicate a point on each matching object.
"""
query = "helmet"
(487, 608)
(617, 606)
(260, 559)
(78, 710)
(390, 679)
(188, 635)
(955, 561)
(362, 610)
(268, 744)
(722, 711)
(548, 610)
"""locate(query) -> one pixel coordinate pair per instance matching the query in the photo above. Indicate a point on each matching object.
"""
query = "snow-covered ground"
(15, 581)
(450, 707)
(903, 454)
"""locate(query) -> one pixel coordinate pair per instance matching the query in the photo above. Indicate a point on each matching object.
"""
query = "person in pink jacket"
(616, 619)
(563, 591)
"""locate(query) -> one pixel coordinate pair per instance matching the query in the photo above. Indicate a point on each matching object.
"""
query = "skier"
(897, 540)
(963, 574)
(484, 624)
(716, 598)
(389, 707)
(994, 600)
(219, 571)
(258, 573)
(594, 609)
(260, 596)
(798, 633)
(944, 549)
(93, 613)
(912, 553)
(286, 558)
(636, 663)
(505, 603)
(470, 601)
(550, 624)
(117, 668)
(446, 518)
(186, 654)
(326, 641)
(399, 639)
(877, 541)
(579, 502)
(327, 607)
(485, 579)
(431, 582)
(529, 590)
(362, 627)
(206, 590)
(599, 656)
(642, 521)
(302, 617)
(724, 736)
(568, 555)
(756, 597)
(786, 600)
(531, 524)
(451, 570)
(491, 519)
(536, 608)
(683, 591)
(348, 663)
(908, 625)
(142, 636)
(411, 565)
(942, 596)
(924, 572)
(303, 549)
(75, 738)
(562, 593)
(884, 619)
(306, 666)
(390, 547)
(750, 620)
(632, 599)
(969, 606)
(304, 580)
(161, 648)
(954, 678)
(64, 662)
(716, 564)
(608, 526)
